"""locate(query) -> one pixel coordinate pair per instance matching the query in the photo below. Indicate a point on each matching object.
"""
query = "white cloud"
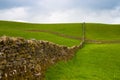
(78, 15)
(61, 15)
(19, 14)
(55, 4)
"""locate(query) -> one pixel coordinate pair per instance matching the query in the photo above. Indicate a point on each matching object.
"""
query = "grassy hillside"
(22, 30)
(93, 62)
(73, 29)
(93, 31)
(102, 31)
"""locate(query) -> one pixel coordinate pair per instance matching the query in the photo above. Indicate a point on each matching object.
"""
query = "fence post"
(83, 32)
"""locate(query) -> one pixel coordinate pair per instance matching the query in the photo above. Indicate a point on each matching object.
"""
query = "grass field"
(92, 62)
(93, 31)
(22, 30)
(103, 31)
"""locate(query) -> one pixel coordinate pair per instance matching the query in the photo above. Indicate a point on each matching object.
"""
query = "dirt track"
(57, 33)
(78, 38)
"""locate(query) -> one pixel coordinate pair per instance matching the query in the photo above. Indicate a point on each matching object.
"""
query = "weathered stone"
(29, 58)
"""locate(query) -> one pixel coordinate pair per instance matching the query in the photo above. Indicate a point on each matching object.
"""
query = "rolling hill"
(92, 62)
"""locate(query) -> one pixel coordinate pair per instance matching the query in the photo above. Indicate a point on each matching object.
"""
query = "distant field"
(102, 32)
(73, 29)
(93, 31)
(93, 62)
(22, 30)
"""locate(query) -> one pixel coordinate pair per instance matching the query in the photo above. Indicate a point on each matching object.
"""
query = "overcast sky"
(55, 11)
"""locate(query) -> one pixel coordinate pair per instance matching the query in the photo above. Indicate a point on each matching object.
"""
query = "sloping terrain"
(93, 62)
(17, 29)
(103, 31)
(96, 61)
(72, 31)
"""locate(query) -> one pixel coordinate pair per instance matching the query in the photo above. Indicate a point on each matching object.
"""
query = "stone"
(29, 58)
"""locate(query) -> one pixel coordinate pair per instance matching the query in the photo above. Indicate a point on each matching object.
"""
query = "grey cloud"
(4, 4)
(97, 4)
(105, 11)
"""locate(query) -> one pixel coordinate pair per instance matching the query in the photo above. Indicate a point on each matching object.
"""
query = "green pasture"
(92, 62)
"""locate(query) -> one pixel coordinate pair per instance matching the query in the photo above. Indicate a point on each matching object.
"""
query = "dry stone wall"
(22, 59)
